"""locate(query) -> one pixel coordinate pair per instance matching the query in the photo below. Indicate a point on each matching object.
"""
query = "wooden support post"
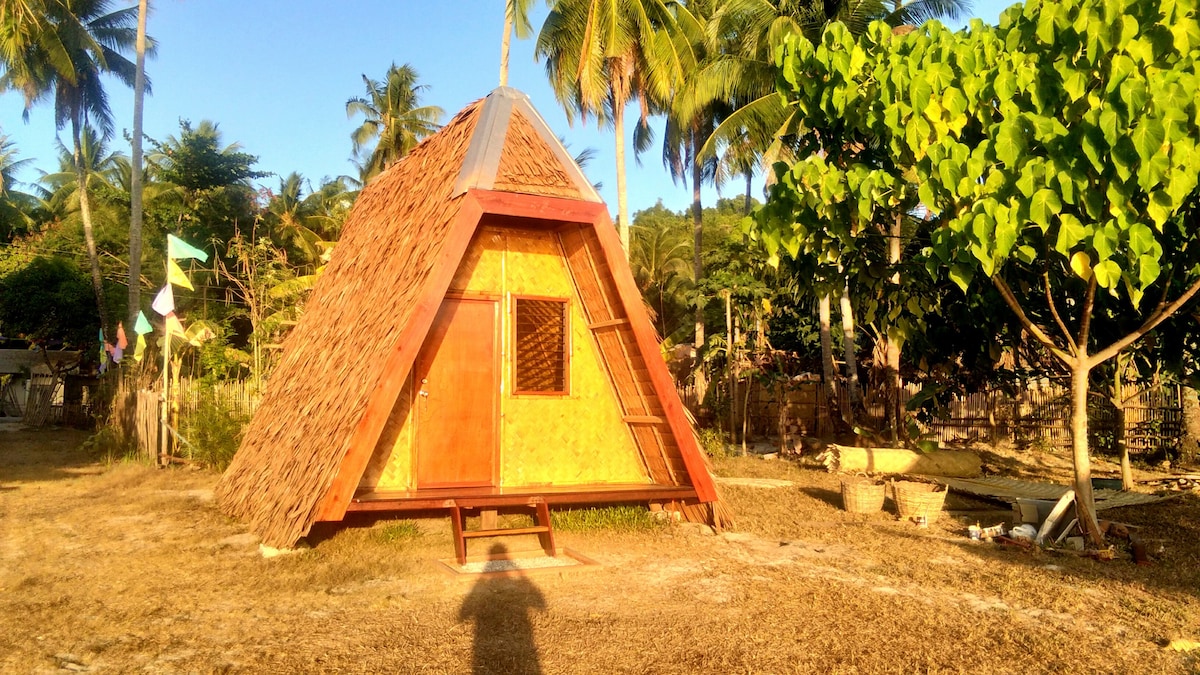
(456, 526)
(489, 519)
(543, 520)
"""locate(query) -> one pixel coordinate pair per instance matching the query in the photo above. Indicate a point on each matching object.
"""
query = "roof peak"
(482, 159)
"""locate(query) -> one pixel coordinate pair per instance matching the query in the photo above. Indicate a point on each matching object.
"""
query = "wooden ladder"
(541, 528)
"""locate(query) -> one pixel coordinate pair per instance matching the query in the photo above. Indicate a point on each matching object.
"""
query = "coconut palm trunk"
(506, 43)
(135, 183)
(89, 234)
(622, 202)
(697, 259)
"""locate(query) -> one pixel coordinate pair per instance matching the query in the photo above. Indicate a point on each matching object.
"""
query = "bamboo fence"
(136, 411)
(1037, 414)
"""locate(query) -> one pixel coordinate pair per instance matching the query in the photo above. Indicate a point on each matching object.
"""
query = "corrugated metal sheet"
(1011, 489)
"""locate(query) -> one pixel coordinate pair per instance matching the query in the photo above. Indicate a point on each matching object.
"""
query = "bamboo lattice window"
(540, 365)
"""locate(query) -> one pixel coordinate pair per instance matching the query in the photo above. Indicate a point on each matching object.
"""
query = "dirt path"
(124, 568)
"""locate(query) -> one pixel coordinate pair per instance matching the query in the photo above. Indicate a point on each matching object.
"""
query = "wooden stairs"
(542, 528)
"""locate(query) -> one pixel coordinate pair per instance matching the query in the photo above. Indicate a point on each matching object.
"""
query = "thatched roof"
(346, 359)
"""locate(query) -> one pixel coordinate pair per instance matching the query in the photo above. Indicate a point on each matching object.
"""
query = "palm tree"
(312, 222)
(15, 206)
(516, 15)
(658, 258)
(25, 27)
(106, 172)
(688, 125)
(74, 44)
(602, 54)
(135, 188)
(394, 119)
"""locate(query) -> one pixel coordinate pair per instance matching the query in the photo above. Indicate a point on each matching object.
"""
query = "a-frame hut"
(476, 341)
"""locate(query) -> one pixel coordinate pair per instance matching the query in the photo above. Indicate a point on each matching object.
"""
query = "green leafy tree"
(49, 302)
(213, 198)
(1065, 138)
(394, 121)
(752, 30)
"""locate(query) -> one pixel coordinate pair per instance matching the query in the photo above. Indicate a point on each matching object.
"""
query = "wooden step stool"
(541, 528)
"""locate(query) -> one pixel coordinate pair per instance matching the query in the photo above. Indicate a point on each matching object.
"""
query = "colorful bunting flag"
(117, 354)
(174, 327)
(143, 325)
(122, 341)
(178, 249)
(177, 277)
(164, 302)
(140, 350)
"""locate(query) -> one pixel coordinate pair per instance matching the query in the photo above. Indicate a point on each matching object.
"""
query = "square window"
(540, 350)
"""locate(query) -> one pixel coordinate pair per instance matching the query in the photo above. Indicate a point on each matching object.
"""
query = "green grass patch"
(396, 531)
(610, 518)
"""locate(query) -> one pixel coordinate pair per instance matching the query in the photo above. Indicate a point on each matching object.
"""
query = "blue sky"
(275, 76)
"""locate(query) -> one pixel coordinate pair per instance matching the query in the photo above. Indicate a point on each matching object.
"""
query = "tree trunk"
(729, 367)
(1085, 502)
(506, 42)
(698, 265)
(1190, 402)
(854, 391)
(892, 365)
(825, 317)
(89, 235)
(622, 204)
(1118, 401)
(135, 182)
(746, 208)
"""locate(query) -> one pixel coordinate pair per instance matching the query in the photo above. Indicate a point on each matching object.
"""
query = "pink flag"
(164, 302)
(122, 341)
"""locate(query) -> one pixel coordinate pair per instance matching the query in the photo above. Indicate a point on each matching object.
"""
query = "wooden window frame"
(567, 345)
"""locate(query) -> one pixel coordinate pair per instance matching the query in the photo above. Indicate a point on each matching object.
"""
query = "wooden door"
(457, 396)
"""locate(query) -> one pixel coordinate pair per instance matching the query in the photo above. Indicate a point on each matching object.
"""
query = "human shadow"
(501, 609)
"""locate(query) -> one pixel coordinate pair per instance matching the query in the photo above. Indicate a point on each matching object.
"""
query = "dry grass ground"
(123, 568)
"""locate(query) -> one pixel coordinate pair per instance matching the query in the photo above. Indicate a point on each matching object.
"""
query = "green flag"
(178, 248)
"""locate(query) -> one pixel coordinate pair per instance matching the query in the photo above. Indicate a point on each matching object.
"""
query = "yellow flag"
(140, 350)
(176, 276)
(174, 327)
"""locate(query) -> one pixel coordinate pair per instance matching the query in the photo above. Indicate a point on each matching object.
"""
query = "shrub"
(713, 442)
(213, 431)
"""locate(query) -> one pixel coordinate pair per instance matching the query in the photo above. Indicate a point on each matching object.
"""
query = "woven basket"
(862, 496)
(918, 499)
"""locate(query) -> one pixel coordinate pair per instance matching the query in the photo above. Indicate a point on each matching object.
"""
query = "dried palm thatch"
(334, 358)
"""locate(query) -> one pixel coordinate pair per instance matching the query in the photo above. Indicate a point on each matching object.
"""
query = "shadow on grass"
(500, 609)
(830, 497)
(37, 455)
